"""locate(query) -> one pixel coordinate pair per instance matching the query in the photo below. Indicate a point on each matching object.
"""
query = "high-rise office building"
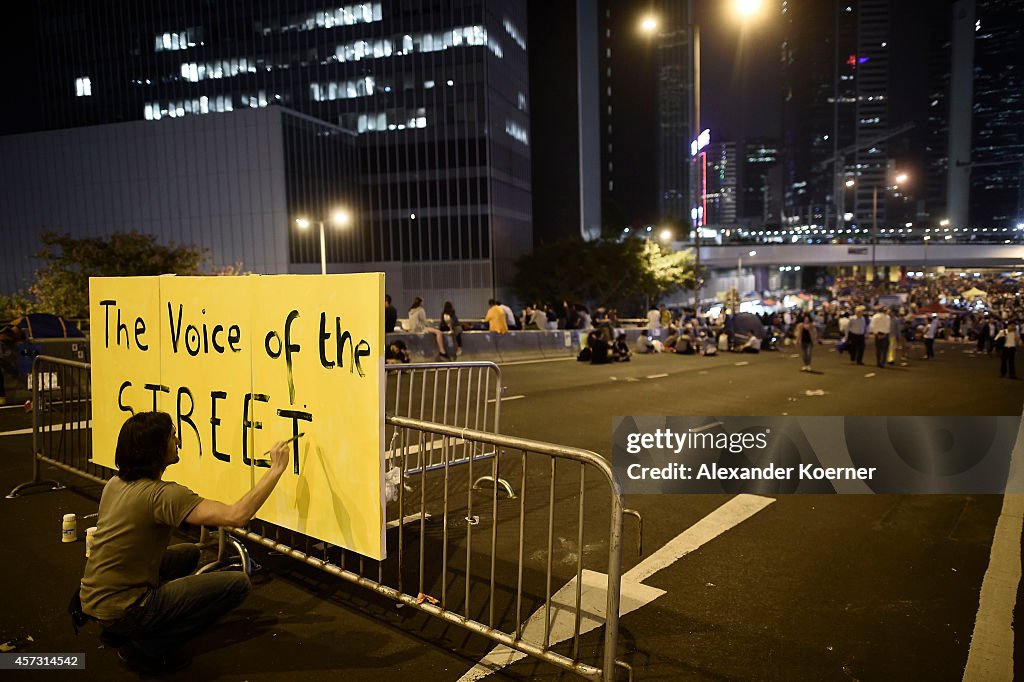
(975, 147)
(835, 60)
(755, 200)
(721, 185)
(997, 170)
(673, 113)
(431, 98)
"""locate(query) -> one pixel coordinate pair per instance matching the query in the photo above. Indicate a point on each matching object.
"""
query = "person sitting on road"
(620, 349)
(140, 590)
(397, 353)
(599, 348)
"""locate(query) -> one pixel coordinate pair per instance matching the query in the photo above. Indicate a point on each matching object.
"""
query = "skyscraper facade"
(754, 194)
(433, 96)
(836, 110)
(997, 170)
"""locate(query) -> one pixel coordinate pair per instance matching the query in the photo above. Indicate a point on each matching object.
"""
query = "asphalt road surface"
(807, 587)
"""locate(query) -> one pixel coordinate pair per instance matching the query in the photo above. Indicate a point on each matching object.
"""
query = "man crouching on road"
(136, 586)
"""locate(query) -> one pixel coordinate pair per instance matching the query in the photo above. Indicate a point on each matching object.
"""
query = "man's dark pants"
(183, 606)
(1008, 362)
(856, 348)
(881, 348)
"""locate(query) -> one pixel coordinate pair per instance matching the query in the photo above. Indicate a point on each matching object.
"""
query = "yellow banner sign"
(240, 363)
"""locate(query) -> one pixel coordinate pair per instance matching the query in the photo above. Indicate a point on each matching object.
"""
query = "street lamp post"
(695, 130)
(340, 218)
(745, 9)
(899, 180)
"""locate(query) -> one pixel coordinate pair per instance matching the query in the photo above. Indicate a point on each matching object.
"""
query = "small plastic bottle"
(69, 528)
(89, 533)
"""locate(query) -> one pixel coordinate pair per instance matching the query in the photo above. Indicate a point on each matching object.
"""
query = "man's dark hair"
(387, 298)
(142, 445)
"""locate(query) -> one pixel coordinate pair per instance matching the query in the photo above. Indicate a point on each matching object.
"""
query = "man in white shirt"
(1010, 336)
(510, 317)
(855, 332)
(654, 322)
(929, 337)
(881, 325)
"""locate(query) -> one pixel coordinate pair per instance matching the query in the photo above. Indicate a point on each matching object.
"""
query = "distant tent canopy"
(973, 293)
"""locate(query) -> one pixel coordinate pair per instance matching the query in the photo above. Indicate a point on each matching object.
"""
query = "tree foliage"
(623, 274)
(62, 284)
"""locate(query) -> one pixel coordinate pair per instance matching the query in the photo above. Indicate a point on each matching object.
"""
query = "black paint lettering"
(216, 345)
(140, 330)
(156, 388)
(106, 321)
(324, 335)
(234, 336)
(120, 401)
(343, 337)
(247, 424)
(122, 327)
(362, 350)
(274, 354)
(186, 417)
(296, 416)
(289, 349)
(214, 423)
(175, 331)
(192, 337)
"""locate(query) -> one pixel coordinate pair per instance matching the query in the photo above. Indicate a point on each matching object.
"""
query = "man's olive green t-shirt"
(135, 522)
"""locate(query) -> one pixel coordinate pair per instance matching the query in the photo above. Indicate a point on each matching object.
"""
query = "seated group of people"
(601, 348)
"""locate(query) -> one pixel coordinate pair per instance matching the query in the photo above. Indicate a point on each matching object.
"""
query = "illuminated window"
(83, 87)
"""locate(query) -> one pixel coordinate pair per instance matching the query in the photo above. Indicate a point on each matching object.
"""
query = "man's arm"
(214, 513)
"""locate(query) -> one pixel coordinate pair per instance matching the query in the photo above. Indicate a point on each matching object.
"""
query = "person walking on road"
(879, 328)
(929, 337)
(1008, 339)
(807, 335)
(855, 333)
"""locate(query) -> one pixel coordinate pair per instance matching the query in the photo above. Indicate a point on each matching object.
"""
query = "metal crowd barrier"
(61, 427)
(465, 394)
(489, 562)
(476, 559)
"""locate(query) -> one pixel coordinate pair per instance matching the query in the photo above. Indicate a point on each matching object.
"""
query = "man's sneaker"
(458, 352)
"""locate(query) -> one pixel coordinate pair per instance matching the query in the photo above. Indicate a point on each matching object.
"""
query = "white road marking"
(990, 658)
(741, 364)
(537, 362)
(657, 376)
(729, 515)
(633, 594)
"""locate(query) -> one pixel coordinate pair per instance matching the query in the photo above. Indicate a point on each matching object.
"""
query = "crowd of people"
(858, 314)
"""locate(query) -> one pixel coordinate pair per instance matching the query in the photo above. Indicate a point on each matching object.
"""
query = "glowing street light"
(748, 8)
(340, 217)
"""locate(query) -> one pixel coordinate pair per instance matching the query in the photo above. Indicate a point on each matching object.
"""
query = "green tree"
(62, 284)
(624, 274)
